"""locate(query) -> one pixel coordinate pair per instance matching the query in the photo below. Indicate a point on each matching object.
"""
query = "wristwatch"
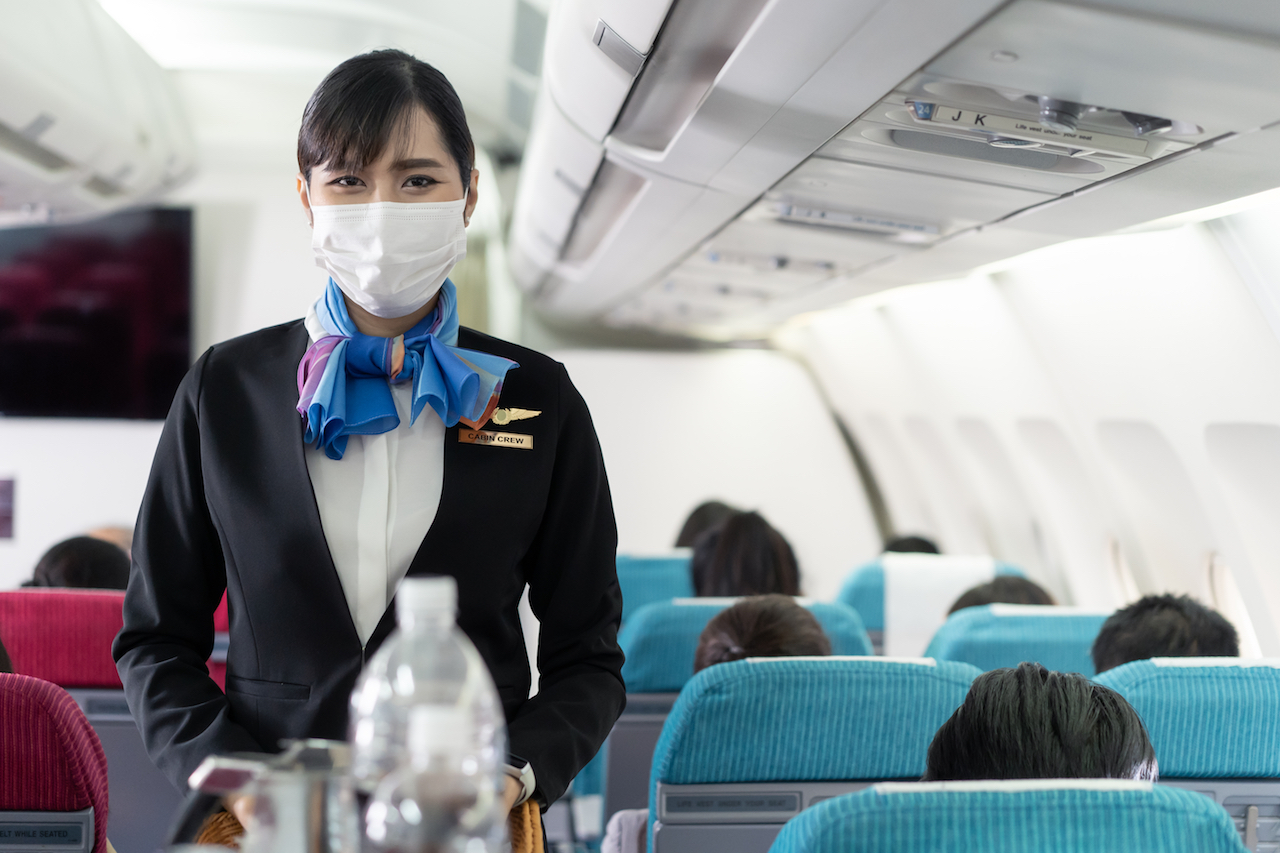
(522, 771)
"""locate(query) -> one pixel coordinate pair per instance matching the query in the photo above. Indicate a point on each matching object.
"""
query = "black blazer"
(229, 505)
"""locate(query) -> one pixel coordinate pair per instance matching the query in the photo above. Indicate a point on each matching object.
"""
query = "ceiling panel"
(949, 204)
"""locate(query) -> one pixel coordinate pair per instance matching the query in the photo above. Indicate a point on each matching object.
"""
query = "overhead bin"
(594, 50)
(764, 84)
(1222, 80)
(880, 143)
(798, 74)
(631, 224)
(88, 121)
(560, 164)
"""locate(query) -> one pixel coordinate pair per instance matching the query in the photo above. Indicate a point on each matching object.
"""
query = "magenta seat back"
(52, 759)
(221, 621)
(63, 635)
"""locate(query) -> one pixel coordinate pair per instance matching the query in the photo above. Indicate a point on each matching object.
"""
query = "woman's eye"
(419, 181)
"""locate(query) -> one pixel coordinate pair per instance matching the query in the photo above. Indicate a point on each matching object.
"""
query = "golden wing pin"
(506, 416)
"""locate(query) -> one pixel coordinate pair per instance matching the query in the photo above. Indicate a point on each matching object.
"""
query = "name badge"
(495, 439)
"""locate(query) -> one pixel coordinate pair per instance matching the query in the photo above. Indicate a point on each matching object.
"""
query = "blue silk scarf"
(344, 377)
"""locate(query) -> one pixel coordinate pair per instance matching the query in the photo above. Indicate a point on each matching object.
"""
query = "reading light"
(1062, 116)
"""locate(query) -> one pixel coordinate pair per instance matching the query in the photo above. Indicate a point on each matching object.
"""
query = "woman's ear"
(472, 195)
(305, 197)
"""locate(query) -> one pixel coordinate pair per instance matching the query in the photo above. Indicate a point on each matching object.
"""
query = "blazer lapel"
(293, 480)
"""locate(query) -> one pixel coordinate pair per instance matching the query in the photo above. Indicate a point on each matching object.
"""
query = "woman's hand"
(240, 806)
(511, 793)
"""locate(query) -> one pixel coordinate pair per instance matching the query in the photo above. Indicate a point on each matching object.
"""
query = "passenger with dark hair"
(756, 627)
(82, 562)
(1162, 626)
(116, 534)
(762, 626)
(1031, 723)
(744, 556)
(1004, 589)
(307, 468)
(911, 545)
(705, 516)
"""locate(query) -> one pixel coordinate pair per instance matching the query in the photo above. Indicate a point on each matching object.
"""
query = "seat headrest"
(1207, 717)
(1062, 815)
(63, 635)
(808, 719)
(53, 760)
(864, 588)
(661, 639)
(999, 635)
(648, 578)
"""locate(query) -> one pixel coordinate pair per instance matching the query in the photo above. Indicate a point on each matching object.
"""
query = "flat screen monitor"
(95, 317)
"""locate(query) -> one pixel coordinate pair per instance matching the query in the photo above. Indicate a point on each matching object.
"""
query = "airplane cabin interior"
(1000, 276)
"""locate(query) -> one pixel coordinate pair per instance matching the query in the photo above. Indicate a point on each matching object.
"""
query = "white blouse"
(376, 505)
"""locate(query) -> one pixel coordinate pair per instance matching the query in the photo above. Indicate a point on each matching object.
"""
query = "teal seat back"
(650, 578)
(1013, 816)
(999, 635)
(660, 639)
(1207, 717)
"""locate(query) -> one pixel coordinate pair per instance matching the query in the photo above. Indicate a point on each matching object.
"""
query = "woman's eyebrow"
(417, 163)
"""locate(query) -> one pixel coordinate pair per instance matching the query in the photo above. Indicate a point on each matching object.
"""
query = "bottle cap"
(427, 595)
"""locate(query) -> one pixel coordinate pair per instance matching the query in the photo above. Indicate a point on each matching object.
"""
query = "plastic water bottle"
(435, 802)
(428, 736)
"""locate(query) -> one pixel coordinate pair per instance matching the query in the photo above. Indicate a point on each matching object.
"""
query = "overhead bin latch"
(616, 48)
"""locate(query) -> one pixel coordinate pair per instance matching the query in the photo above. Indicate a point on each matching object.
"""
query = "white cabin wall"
(1112, 406)
(70, 476)
(955, 358)
(745, 426)
(1154, 338)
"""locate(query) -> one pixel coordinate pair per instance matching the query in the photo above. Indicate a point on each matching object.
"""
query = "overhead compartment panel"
(1222, 81)
(943, 204)
(587, 83)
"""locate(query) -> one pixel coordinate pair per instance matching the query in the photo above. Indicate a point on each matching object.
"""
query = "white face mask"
(389, 258)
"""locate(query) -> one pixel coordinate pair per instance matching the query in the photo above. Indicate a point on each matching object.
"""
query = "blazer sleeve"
(176, 581)
(573, 590)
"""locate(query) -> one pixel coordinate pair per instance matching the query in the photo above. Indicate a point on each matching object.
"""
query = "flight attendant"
(307, 468)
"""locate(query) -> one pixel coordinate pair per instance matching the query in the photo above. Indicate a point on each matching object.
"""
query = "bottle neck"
(425, 621)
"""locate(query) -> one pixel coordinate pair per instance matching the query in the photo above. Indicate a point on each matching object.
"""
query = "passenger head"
(1004, 589)
(1163, 626)
(377, 110)
(83, 562)
(705, 516)
(1030, 723)
(911, 545)
(744, 556)
(763, 626)
(121, 537)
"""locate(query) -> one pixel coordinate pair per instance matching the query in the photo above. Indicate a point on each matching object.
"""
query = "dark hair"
(1163, 626)
(6, 665)
(704, 517)
(1004, 589)
(84, 562)
(744, 556)
(763, 626)
(911, 544)
(1030, 723)
(368, 100)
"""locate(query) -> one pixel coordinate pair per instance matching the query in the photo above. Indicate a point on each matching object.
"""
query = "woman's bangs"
(350, 139)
